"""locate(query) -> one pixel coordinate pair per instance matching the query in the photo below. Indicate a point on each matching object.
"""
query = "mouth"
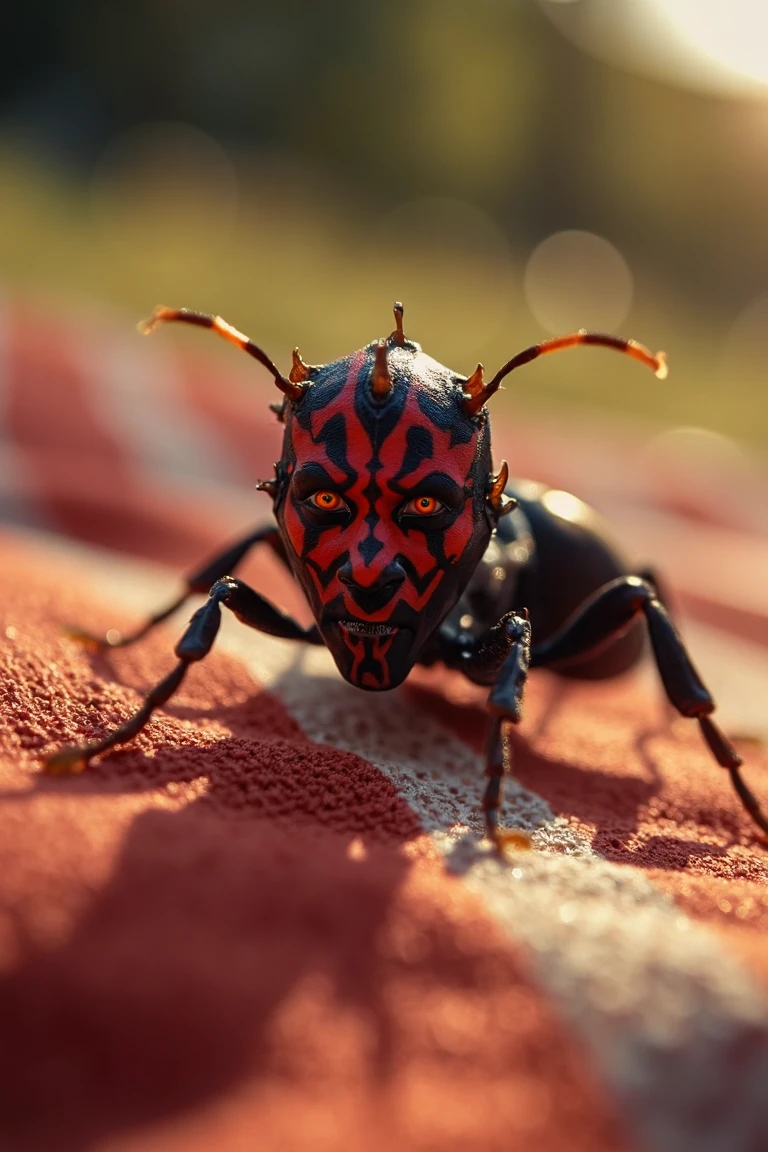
(361, 628)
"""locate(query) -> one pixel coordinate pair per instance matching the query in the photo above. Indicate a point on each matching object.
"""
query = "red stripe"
(727, 617)
(48, 407)
(49, 418)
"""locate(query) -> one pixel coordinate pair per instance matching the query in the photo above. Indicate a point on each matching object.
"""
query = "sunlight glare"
(733, 35)
(709, 45)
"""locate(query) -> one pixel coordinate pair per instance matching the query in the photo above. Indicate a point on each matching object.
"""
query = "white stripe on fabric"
(679, 1030)
(135, 392)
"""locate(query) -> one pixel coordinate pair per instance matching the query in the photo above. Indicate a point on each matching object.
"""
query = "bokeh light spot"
(575, 279)
(565, 505)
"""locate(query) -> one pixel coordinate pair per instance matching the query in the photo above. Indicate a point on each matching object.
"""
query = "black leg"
(610, 612)
(197, 582)
(196, 643)
(505, 704)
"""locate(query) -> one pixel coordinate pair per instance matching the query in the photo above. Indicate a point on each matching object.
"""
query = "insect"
(412, 549)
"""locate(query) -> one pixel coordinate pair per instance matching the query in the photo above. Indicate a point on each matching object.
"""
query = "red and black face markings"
(383, 507)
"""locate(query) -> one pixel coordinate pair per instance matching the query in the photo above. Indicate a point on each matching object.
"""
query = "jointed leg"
(197, 641)
(505, 703)
(197, 583)
(610, 612)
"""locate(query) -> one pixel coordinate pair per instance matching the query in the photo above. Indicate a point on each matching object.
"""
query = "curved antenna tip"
(160, 314)
(637, 351)
(663, 369)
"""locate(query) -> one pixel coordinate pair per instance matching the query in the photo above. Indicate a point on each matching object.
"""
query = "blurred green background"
(507, 168)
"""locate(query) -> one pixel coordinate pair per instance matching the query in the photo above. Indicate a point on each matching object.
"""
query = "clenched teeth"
(362, 629)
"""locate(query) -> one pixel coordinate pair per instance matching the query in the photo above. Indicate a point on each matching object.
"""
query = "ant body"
(412, 549)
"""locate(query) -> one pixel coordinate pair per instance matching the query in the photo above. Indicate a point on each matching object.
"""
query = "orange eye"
(422, 506)
(326, 501)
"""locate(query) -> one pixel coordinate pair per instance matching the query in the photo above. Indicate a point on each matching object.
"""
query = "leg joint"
(223, 589)
(640, 592)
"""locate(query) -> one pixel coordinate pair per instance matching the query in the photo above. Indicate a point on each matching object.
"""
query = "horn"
(271, 487)
(631, 348)
(498, 484)
(301, 372)
(163, 315)
(381, 381)
(398, 336)
(500, 503)
(475, 384)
